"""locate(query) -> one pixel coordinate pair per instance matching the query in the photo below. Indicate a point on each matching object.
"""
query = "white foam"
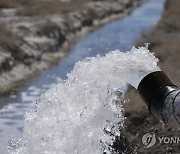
(76, 115)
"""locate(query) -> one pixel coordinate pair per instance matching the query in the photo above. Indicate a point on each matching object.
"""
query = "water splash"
(83, 114)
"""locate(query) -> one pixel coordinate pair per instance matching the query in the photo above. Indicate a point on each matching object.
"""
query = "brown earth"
(164, 41)
(42, 7)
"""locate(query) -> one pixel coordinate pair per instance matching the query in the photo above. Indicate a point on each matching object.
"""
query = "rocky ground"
(36, 34)
(165, 43)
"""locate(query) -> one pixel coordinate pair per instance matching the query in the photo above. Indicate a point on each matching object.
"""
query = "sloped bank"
(36, 43)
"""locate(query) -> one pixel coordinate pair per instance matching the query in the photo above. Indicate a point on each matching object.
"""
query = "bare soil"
(42, 7)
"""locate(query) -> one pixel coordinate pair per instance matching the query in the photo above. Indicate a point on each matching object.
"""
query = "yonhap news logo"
(150, 139)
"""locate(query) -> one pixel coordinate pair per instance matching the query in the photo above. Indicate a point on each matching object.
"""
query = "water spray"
(84, 115)
(162, 97)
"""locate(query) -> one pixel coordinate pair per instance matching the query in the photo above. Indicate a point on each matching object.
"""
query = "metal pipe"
(162, 97)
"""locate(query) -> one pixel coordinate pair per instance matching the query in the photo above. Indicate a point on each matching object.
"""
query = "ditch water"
(120, 34)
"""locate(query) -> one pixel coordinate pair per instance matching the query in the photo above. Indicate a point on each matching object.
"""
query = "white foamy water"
(83, 114)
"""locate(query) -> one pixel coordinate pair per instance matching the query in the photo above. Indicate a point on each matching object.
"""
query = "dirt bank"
(35, 35)
(165, 43)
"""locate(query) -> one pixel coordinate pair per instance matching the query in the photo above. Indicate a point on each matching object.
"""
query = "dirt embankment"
(164, 41)
(36, 34)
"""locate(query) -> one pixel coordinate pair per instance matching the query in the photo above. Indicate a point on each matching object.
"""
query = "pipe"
(162, 97)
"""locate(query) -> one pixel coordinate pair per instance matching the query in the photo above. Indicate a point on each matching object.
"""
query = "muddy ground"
(165, 43)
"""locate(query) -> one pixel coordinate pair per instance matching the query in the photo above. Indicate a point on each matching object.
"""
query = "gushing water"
(83, 114)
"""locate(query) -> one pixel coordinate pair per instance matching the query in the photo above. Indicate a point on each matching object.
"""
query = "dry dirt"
(43, 7)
